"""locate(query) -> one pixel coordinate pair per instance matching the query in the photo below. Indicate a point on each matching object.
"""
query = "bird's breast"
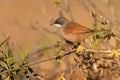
(71, 36)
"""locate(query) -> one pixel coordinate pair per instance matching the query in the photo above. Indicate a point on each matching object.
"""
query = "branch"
(94, 7)
(44, 12)
(41, 49)
(55, 57)
(40, 61)
(69, 9)
(84, 5)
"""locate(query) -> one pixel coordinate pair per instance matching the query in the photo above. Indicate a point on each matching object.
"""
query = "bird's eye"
(59, 21)
(56, 22)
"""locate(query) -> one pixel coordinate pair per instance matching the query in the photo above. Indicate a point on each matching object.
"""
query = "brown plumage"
(72, 31)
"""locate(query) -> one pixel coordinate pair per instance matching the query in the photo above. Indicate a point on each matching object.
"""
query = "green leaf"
(80, 49)
(59, 60)
(115, 53)
(58, 2)
(61, 52)
(4, 41)
(2, 68)
(96, 42)
(62, 76)
(24, 54)
(10, 60)
(106, 27)
(10, 53)
(15, 65)
(95, 27)
(15, 75)
(101, 17)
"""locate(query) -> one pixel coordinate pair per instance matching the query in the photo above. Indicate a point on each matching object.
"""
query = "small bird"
(72, 31)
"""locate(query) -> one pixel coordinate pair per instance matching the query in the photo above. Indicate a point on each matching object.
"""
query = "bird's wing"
(76, 28)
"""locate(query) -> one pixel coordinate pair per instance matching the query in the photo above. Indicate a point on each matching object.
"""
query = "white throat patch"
(58, 25)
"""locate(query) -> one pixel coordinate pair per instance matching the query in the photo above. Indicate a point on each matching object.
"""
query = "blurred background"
(27, 23)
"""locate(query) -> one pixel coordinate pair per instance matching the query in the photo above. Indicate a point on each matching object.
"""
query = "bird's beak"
(51, 22)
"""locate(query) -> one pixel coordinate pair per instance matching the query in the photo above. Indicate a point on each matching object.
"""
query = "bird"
(70, 30)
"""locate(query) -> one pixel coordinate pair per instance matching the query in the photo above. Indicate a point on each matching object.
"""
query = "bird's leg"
(72, 45)
(68, 47)
(69, 42)
(64, 46)
(61, 44)
(76, 44)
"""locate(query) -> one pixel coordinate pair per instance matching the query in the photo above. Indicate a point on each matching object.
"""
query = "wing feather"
(76, 28)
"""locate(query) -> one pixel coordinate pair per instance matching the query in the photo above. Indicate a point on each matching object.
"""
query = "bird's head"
(60, 22)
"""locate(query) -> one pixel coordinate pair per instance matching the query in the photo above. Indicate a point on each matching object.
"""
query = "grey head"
(60, 22)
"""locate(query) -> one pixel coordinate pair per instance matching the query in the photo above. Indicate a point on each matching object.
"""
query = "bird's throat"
(58, 25)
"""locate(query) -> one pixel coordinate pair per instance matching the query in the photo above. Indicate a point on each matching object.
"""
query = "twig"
(96, 51)
(84, 5)
(59, 8)
(41, 49)
(4, 41)
(29, 64)
(96, 8)
(40, 61)
(55, 57)
(117, 62)
(112, 13)
(117, 38)
(43, 9)
(69, 9)
(46, 30)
